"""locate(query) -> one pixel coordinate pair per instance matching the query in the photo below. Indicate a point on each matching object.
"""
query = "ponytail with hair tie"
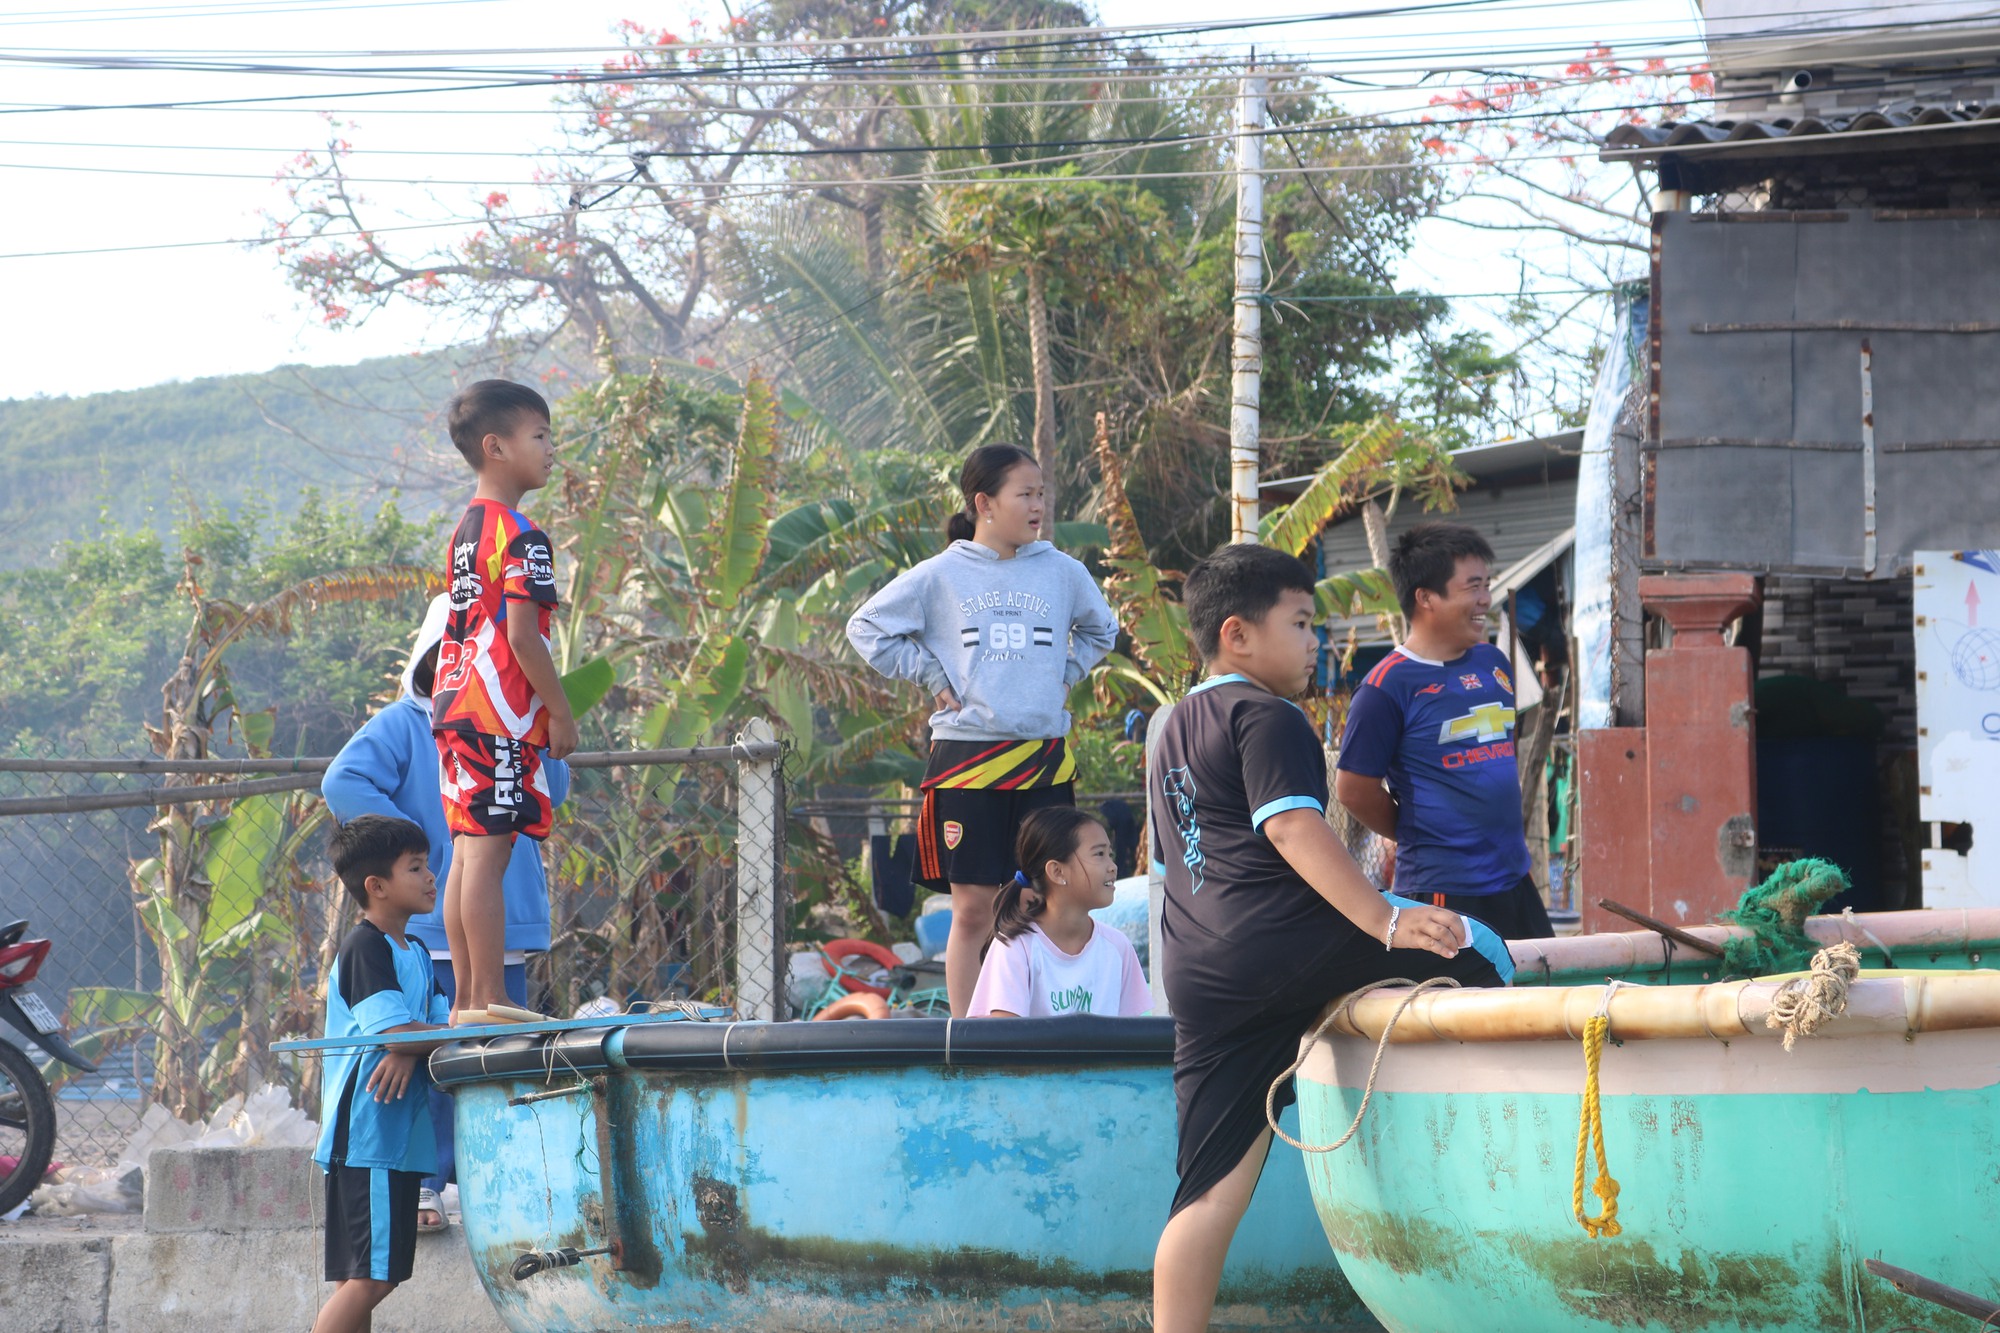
(1048, 834)
(984, 473)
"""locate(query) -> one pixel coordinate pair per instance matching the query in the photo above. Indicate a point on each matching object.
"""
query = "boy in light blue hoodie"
(390, 767)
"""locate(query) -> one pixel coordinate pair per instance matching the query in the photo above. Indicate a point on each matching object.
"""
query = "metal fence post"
(759, 942)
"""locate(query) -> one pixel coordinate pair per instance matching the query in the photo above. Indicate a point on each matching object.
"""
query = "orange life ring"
(840, 951)
(863, 1005)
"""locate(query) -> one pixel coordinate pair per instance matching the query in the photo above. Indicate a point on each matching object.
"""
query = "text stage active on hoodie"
(1008, 636)
(390, 767)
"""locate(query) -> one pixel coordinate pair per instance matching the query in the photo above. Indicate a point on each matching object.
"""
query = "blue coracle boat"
(921, 1173)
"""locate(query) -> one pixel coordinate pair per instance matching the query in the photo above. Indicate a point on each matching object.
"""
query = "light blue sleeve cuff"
(381, 1011)
(1279, 806)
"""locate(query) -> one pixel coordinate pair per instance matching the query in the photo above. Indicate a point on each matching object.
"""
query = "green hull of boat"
(1451, 1212)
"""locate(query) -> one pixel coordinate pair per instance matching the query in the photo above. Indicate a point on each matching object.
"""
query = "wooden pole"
(1937, 1293)
(1674, 933)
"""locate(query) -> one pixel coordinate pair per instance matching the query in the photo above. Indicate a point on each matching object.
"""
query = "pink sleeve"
(1135, 997)
(1003, 981)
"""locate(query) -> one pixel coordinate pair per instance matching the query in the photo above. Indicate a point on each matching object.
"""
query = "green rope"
(1775, 912)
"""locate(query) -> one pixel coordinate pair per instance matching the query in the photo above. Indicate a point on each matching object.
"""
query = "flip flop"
(429, 1202)
(507, 1013)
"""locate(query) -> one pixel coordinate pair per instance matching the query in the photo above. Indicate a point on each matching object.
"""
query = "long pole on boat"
(1247, 350)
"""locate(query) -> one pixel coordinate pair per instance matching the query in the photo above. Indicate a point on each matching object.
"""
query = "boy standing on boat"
(499, 706)
(1436, 719)
(375, 1144)
(1266, 918)
(997, 627)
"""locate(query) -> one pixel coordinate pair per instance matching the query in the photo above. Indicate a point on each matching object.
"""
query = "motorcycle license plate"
(38, 1013)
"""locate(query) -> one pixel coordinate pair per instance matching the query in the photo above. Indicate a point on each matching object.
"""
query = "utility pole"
(1247, 351)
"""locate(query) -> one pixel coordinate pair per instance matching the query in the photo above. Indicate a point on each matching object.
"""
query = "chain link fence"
(194, 914)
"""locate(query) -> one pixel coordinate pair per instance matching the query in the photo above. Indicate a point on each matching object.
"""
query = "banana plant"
(1381, 459)
(208, 899)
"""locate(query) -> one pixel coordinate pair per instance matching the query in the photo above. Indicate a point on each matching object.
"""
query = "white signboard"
(1958, 719)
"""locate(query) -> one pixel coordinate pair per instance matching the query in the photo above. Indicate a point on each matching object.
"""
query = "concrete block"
(231, 1189)
(166, 1283)
(53, 1284)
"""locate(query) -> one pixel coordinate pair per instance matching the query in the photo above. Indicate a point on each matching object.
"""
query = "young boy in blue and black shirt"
(376, 1143)
(1267, 918)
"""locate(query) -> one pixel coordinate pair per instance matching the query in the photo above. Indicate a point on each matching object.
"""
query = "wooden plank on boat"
(1937, 1293)
(483, 1031)
(1674, 933)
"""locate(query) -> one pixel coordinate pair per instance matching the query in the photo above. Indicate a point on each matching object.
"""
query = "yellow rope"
(1590, 1133)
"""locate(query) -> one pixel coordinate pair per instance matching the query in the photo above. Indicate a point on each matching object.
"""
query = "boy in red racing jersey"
(498, 703)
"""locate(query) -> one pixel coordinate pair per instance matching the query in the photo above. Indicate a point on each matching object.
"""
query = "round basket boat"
(1754, 1181)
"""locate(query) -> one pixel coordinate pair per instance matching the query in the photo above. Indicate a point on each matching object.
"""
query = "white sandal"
(429, 1202)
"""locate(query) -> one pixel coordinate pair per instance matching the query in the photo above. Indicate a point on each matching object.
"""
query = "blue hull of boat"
(921, 1196)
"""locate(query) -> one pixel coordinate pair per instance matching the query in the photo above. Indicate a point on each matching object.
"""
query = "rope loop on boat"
(1346, 1006)
(1802, 1004)
(1590, 1130)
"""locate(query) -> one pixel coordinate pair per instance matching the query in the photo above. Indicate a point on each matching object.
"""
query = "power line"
(21, 19)
(1129, 31)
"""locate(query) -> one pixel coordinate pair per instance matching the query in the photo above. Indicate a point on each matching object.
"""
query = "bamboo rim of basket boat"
(1877, 1006)
(1917, 934)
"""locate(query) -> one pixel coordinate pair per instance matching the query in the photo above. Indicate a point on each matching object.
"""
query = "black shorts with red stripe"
(493, 786)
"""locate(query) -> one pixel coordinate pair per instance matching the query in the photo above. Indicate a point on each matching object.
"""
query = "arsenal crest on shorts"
(954, 833)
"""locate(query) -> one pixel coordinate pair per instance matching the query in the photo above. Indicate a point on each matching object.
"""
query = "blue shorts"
(371, 1223)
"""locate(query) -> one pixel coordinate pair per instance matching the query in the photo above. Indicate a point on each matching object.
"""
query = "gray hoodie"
(1009, 637)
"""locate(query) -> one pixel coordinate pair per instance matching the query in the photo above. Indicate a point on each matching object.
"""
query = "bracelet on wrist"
(1389, 939)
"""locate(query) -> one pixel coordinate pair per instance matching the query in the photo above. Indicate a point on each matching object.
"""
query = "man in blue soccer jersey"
(1435, 719)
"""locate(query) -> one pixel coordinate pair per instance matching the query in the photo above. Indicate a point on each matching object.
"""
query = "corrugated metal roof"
(1700, 133)
(1555, 453)
(1520, 521)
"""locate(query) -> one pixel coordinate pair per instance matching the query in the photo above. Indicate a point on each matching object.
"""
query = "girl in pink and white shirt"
(1048, 958)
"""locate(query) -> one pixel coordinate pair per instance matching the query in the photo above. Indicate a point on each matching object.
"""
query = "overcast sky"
(74, 180)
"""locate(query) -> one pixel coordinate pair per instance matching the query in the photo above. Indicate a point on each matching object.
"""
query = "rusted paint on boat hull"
(878, 1199)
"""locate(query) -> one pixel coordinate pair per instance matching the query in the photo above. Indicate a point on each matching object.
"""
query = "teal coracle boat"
(1754, 1181)
(893, 1175)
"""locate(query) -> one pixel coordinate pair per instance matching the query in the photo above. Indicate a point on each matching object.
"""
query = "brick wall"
(1858, 633)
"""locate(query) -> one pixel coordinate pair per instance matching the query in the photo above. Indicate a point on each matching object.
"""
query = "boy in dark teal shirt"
(376, 1144)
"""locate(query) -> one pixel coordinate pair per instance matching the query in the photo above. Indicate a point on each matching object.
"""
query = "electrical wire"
(24, 19)
(1136, 32)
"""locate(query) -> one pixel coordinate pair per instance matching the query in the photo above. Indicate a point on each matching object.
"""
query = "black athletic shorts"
(1231, 1045)
(371, 1223)
(1512, 914)
(965, 835)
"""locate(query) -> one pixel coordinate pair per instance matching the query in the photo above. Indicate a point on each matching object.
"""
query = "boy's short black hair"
(488, 407)
(1242, 579)
(371, 845)
(1427, 556)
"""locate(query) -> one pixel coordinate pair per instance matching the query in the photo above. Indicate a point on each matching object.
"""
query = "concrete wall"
(228, 1240)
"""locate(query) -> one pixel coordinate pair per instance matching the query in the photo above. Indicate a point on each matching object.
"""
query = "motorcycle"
(27, 1108)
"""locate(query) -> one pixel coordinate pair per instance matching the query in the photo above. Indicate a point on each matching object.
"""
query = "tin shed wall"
(1758, 457)
(1518, 517)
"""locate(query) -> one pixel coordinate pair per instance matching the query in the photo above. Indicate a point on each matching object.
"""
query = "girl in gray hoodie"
(997, 627)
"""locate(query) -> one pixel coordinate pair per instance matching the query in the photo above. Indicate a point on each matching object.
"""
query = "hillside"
(146, 456)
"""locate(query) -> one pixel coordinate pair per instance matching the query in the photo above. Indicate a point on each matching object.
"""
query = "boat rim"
(1722, 1011)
